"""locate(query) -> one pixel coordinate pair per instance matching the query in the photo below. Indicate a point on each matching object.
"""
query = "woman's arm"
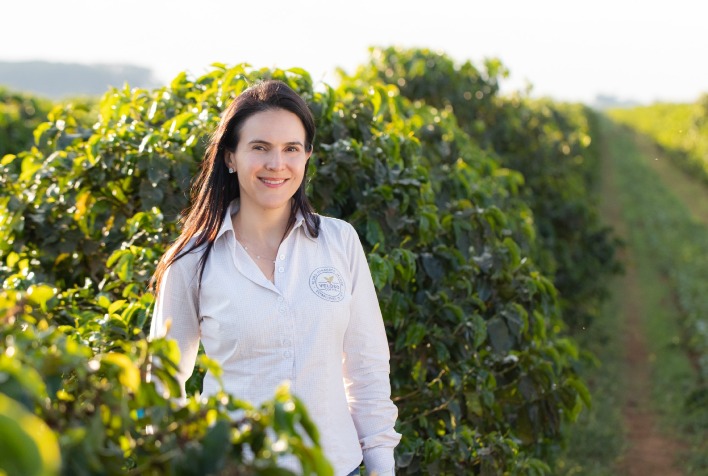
(366, 368)
(177, 304)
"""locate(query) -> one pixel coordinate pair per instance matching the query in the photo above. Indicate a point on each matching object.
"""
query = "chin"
(275, 206)
(268, 203)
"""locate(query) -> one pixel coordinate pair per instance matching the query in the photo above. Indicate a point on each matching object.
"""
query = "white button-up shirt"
(318, 325)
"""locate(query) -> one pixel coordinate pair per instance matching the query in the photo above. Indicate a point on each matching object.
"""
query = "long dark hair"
(215, 188)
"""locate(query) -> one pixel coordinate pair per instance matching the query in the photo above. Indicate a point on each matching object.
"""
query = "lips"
(272, 181)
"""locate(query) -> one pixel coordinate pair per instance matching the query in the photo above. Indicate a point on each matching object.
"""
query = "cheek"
(243, 164)
(301, 168)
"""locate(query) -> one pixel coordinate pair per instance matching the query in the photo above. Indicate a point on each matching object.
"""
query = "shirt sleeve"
(366, 368)
(177, 303)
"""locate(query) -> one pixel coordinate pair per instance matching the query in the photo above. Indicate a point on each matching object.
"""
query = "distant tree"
(606, 101)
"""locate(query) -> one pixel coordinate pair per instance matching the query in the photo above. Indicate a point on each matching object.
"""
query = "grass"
(662, 233)
(596, 441)
(680, 129)
(667, 242)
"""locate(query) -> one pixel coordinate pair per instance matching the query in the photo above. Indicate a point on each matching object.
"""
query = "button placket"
(285, 341)
(284, 312)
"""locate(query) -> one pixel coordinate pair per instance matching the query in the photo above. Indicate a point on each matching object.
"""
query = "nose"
(276, 160)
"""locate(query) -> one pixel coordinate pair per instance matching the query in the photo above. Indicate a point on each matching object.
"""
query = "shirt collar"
(300, 223)
(227, 225)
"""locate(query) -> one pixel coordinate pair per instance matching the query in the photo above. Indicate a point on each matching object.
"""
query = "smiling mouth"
(272, 181)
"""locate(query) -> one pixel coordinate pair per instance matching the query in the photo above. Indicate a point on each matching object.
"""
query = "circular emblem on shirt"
(327, 283)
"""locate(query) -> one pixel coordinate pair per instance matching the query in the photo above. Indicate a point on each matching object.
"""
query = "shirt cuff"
(379, 461)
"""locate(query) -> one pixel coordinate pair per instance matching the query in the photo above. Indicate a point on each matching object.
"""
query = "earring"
(231, 170)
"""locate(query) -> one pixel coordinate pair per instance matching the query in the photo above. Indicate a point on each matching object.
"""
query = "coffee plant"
(481, 370)
(550, 144)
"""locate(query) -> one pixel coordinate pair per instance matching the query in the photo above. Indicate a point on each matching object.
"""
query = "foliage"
(480, 373)
(66, 386)
(680, 129)
(19, 115)
(549, 143)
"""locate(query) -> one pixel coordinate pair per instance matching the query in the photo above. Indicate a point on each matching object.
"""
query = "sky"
(570, 50)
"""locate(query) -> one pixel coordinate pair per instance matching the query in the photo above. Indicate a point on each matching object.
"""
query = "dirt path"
(648, 452)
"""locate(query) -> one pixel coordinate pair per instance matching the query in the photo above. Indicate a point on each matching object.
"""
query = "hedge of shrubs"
(681, 130)
(19, 115)
(550, 143)
(482, 371)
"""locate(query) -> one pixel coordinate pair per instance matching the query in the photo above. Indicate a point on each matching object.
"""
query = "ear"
(230, 159)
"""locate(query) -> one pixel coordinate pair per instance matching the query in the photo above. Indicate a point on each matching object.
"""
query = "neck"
(262, 226)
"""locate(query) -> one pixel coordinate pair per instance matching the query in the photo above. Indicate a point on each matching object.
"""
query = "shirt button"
(282, 257)
(281, 269)
(286, 354)
(283, 309)
(280, 298)
(286, 342)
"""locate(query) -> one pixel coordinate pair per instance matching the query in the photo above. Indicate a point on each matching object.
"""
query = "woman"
(276, 292)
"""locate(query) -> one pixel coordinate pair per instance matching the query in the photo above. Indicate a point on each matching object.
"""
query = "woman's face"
(270, 159)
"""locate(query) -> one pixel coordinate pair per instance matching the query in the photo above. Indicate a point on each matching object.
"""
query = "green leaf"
(129, 375)
(415, 334)
(124, 268)
(12, 259)
(381, 270)
(144, 144)
(499, 335)
(513, 251)
(215, 445)
(8, 159)
(176, 124)
(405, 264)
(117, 192)
(28, 445)
(582, 390)
(30, 165)
(30, 381)
(40, 294)
(300, 72)
(116, 306)
(376, 101)
(479, 328)
(374, 233)
(210, 365)
(115, 256)
(432, 266)
(40, 130)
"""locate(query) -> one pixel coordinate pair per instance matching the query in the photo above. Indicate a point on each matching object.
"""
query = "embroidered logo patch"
(327, 283)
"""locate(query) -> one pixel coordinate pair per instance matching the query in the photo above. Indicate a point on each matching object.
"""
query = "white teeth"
(273, 182)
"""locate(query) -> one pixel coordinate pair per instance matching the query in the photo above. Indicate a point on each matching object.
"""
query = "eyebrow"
(265, 142)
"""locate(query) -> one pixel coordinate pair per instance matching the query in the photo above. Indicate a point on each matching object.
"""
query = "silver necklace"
(252, 253)
(268, 276)
(239, 237)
